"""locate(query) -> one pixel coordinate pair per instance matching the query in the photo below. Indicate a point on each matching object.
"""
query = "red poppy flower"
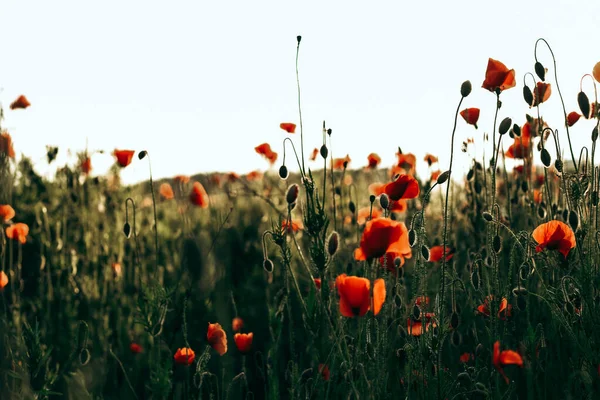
(86, 165)
(503, 358)
(254, 176)
(217, 338)
(430, 159)
(572, 118)
(404, 187)
(381, 236)
(3, 280)
(135, 348)
(288, 127)
(265, 151)
(422, 301)
(243, 341)
(182, 179)
(185, 356)
(554, 235)
(399, 206)
(237, 324)
(6, 145)
(504, 309)
(415, 328)
(406, 161)
(373, 160)
(20, 102)
(437, 252)
(341, 163)
(18, 231)
(497, 76)
(317, 283)
(314, 154)
(521, 145)
(541, 93)
(199, 197)
(364, 214)
(355, 296)
(124, 157)
(471, 116)
(324, 371)
(466, 357)
(6, 213)
(166, 191)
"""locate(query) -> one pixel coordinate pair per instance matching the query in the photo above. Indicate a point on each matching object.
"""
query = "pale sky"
(199, 84)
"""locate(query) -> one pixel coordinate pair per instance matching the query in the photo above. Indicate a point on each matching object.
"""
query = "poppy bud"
(412, 237)
(476, 279)
(333, 243)
(595, 133)
(454, 320)
(584, 104)
(298, 38)
(574, 220)
(127, 230)
(541, 212)
(268, 265)
(545, 156)
(527, 95)
(142, 154)
(425, 252)
(352, 207)
(487, 216)
(292, 194)
(558, 164)
(497, 243)
(283, 172)
(465, 88)
(345, 164)
(443, 177)
(540, 71)
(384, 201)
(505, 125)
(470, 174)
(516, 130)
(324, 152)
(372, 198)
(397, 262)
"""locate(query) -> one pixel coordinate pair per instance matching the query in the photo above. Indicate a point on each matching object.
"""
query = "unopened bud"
(505, 125)
(324, 152)
(465, 88)
(268, 265)
(127, 230)
(142, 154)
(333, 243)
(540, 71)
(545, 156)
(292, 194)
(584, 104)
(283, 172)
(527, 95)
(384, 201)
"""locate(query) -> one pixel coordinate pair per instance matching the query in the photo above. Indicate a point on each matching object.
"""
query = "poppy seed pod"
(333, 243)
(540, 71)
(476, 279)
(574, 220)
(465, 88)
(584, 104)
(283, 172)
(384, 201)
(292, 194)
(505, 125)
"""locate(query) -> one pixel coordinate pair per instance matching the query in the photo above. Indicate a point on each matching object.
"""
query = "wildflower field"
(343, 280)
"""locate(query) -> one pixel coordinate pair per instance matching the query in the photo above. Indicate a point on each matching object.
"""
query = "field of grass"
(334, 282)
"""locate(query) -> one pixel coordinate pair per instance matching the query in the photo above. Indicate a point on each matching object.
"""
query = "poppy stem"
(295, 153)
(299, 107)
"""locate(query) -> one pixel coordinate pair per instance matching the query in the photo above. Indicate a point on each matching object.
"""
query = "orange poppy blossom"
(184, 356)
(537, 196)
(135, 348)
(166, 191)
(124, 157)
(294, 226)
(521, 145)
(437, 252)
(406, 161)
(6, 145)
(504, 309)
(217, 338)
(237, 324)
(430, 159)
(6, 213)
(498, 76)
(471, 116)
(265, 151)
(541, 93)
(198, 196)
(21, 102)
(341, 163)
(355, 295)
(373, 160)
(404, 187)
(86, 165)
(3, 280)
(289, 127)
(117, 270)
(381, 236)
(554, 235)
(573, 117)
(466, 357)
(415, 328)
(243, 341)
(314, 154)
(366, 213)
(18, 231)
(501, 359)
(596, 71)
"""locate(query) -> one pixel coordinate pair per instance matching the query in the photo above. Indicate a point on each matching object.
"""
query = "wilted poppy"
(504, 309)
(366, 213)
(572, 118)
(18, 231)
(124, 157)
(381, 236)
(166, 191)
(135, 348)
(3, 280)
(265, 151)
(199, 197)
(554, 235)
(324, 371)
(430, 159)
(404, 187)
(243, 341)
(217, 338)
(416, 328)
(503, 358)
(341, 163)
(314, 154)
(20, 102)
(86, 165)
(471, 116)
(237, 324)
(355, 295)
(6, 145)
(6, 212)
(541, 93)
(185, 356)
(288, 127)
(437, 252)
(373, 160)
(498, 77)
